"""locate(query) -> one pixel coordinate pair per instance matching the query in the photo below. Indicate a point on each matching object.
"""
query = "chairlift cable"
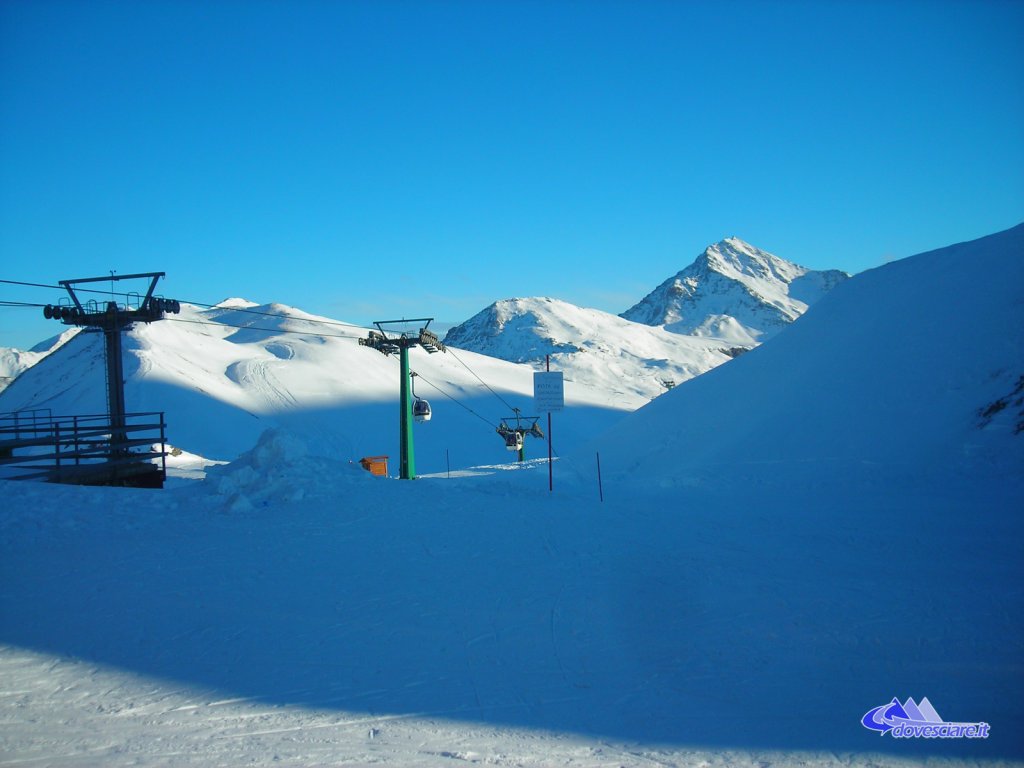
(274, 314)
(200, 304)
(455, 400)
(34, 285)
(503, 400)
(30, 305)
(4, 303)
(263, 330)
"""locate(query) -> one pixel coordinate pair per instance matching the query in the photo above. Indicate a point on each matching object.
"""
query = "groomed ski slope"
(737, 602)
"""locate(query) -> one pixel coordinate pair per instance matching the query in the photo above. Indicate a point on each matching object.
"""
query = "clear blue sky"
(368, 160)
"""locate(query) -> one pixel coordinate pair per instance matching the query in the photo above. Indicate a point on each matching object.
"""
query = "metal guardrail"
(85, 450)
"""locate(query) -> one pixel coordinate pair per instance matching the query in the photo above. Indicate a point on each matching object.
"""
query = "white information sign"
(548, 391)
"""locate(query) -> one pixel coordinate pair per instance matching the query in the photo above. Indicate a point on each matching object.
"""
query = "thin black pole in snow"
(600, 488)
(551, 477)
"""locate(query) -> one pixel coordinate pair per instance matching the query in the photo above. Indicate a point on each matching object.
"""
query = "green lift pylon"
(400, 343)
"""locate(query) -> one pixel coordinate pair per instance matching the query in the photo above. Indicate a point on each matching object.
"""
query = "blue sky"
(369, 160)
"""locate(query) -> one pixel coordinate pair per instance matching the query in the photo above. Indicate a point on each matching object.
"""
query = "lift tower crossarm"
(154, 277)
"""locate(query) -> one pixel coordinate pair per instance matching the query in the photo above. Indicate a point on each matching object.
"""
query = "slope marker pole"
(551, 475)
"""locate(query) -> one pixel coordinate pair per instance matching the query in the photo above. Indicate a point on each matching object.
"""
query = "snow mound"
(279, 468)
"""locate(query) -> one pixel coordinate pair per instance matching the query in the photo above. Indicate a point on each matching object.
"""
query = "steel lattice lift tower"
(401, 343)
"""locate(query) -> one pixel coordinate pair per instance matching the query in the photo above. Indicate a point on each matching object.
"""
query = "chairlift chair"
(421, 410)
(420, 407)
(513, 440)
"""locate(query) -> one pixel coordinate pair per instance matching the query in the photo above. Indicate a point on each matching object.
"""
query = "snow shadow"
(713, 617)
(459, 435)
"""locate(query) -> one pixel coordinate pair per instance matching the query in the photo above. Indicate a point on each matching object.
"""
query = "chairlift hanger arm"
(382, 342)
(533, 430)
(403, 321)
(153, 278)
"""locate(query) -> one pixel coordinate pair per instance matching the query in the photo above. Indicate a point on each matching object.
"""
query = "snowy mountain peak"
(236, 303)
(620, 356)
(736, 292)
(736, 258)
(518, 329)
(14, 362)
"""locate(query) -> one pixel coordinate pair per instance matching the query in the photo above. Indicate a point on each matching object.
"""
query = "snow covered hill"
(224, 375)
(733, 297)
(14, 362)
(591, 346)
(734, 292)
(784, 544)
(875, 375)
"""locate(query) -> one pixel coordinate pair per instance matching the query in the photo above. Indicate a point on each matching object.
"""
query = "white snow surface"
(589, 346)
(14, 362)
(226, 374)
(785, 543)
(736, 293)
(875, 375)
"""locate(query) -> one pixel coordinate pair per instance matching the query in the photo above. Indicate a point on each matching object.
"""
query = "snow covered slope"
(223, 375)
(907, 366)
(784, 544)
(734, 292)
(591, 346)
(14, 362)
(291, 611)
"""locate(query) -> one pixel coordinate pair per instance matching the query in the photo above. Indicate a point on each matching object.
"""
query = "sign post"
(548, 395)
